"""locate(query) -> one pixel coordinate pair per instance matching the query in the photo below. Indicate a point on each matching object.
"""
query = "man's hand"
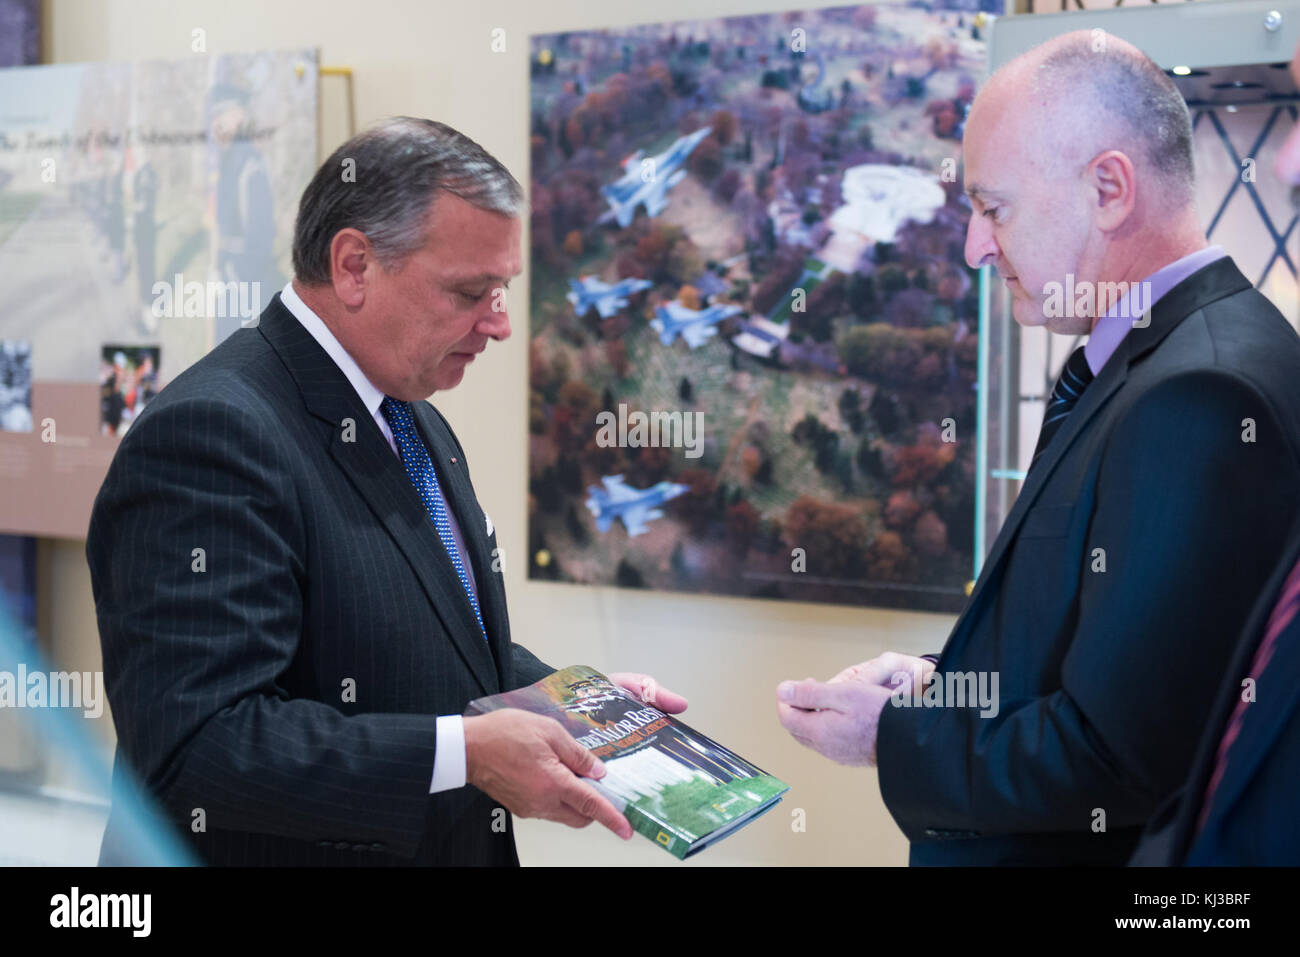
(648, 690)
(533, 766)
(840, 718)
(883, 671)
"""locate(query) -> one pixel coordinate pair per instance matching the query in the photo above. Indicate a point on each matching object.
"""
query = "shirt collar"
(369, 394)
(1115, 324)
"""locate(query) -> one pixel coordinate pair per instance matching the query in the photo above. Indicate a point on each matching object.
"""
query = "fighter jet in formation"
(696, 326)
(607, 298)
(634, 506)
(645, 182)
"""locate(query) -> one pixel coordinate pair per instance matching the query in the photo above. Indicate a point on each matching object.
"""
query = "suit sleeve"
(195, 550)
(528, 667)
(1191, 517)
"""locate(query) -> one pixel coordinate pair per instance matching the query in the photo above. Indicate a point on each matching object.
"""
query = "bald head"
(1078, 159)
(1086, 92)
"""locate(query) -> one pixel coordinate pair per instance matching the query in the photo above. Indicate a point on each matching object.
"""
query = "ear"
(1112, 177)
(352, 266)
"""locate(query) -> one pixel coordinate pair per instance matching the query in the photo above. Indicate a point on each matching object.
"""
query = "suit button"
(341, 845)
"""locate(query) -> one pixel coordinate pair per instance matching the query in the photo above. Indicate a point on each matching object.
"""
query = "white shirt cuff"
(449, 759)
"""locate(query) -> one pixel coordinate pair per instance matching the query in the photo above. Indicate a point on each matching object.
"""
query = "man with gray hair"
(296, 588)
(1165, 476)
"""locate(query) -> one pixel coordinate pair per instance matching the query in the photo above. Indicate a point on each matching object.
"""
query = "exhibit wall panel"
(725, 654)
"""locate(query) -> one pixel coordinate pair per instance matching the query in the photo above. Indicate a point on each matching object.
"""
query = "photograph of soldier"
(245, 222)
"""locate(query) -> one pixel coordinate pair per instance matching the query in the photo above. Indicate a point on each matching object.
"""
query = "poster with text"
(146, 213)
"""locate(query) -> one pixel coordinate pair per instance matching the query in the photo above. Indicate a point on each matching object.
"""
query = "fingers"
(851, 673)
(646, 689)
(571, 754)
(810, 695)
(799, 723)
(815, 730)
(882, 670)
(579, 802)
(584, 800)
(643, 686)
(667, 701)
(563, 814)
(890, 670)
(664, 700)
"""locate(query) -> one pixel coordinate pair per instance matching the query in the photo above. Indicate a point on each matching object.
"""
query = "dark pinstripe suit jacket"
(228, 670)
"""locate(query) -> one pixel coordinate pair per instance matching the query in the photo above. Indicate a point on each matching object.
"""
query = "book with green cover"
(680, 789)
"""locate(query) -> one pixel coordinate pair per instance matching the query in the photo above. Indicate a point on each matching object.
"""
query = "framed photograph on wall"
(754, 337)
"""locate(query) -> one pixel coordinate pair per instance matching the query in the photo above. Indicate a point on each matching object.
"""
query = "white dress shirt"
(449, 759)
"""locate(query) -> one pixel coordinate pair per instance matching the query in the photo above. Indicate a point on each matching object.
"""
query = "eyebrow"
(484, 277)
(982, 194)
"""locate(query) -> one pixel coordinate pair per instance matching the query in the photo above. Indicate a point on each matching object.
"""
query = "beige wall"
(727, 655)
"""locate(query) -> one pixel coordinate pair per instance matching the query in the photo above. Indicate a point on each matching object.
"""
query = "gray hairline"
(474, 175)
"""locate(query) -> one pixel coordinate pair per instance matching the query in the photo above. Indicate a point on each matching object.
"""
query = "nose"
(495, 323)
(981, 247)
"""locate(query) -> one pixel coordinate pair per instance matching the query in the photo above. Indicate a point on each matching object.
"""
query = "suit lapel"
(1220, 278)
(1213, 282)
(1093, 399)
(454, 479)
(379, 479)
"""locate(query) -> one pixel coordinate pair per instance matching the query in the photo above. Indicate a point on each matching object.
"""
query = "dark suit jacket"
(228, 669)
(1106, 677)
(1252, 818)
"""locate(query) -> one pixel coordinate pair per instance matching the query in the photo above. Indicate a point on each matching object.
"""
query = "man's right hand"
(533, 766)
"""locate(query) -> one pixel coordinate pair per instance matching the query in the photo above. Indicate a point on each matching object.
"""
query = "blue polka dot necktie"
(420, 470)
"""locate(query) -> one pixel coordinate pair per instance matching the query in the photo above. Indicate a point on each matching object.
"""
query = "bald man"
(1067, 702)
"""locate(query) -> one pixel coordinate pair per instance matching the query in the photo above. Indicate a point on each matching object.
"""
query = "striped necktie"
(420, 470)
(1283, 612)
(1069, 387)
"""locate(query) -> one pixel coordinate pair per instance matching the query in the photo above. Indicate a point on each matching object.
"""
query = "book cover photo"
(682, 790)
